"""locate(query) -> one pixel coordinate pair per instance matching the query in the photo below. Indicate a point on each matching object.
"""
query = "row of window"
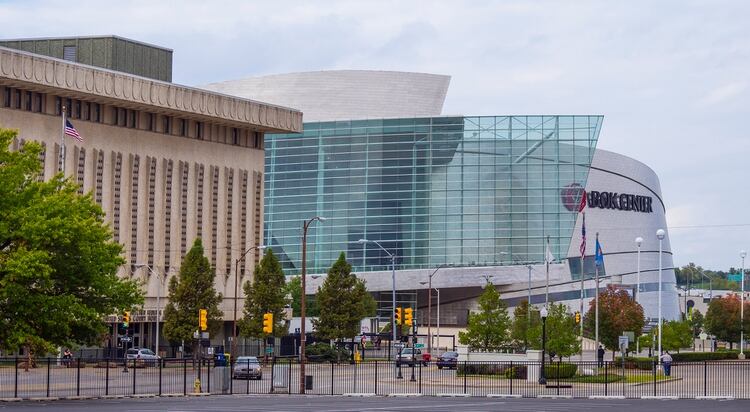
(15, 98)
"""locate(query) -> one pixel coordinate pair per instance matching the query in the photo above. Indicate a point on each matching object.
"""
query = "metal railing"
(55, 377)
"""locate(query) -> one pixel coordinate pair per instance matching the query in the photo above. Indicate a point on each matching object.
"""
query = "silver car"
(144, 355)
(247, 367)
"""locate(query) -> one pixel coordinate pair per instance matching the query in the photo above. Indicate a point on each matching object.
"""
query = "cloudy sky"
(672, 78)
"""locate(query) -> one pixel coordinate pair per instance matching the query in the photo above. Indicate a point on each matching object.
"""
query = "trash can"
(308, 382)
(220, 359)
(221, 379)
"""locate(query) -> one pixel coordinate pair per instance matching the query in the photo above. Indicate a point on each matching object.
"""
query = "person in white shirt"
(666, 361)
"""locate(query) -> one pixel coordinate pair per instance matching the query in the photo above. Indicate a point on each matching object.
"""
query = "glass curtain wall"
(467, 191)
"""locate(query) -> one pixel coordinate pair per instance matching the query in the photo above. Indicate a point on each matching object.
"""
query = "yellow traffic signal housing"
(578, 318)
(203, 319)
(268, 323)
(126, 319)
(397, 316)
(408, 316)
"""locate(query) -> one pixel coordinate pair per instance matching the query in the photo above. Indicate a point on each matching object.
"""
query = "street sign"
(419, 345)
(269, 350)
(126, 338)
(398, 345)
(623, 340)
(735, 277)
(204, 335)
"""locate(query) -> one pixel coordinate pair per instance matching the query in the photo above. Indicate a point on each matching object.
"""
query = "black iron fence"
(53, 377)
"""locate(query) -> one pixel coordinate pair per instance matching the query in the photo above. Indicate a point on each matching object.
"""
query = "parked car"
(143, 356)
(447, 360)
(405, 357)
(247, 367)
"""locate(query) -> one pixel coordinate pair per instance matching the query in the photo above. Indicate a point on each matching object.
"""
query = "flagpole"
(62, 144)
(596, 295)
(583, 274)
(546, 288)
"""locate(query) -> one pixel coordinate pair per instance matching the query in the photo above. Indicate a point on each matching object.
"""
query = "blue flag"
(599, 254)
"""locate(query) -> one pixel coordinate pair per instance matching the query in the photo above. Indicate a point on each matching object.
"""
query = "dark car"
(447, 360)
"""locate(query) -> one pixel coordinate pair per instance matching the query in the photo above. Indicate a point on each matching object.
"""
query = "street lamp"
(638, 242)
(393, 289)
(305, 227)
(742, 306)
(543, 313)
(236, 292)
(158, 297)
(429, 308)
(660, 235)
(710, 285)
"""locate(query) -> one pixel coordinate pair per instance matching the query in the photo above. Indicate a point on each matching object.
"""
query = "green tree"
(294, 288)
(723, 318)
(346, 300)
(676, 335)
(487, 329)
(562, 333)
(267, 294)
(190, 291)
(522, 324)
(618, 313)
(58, 262)
(696, 322)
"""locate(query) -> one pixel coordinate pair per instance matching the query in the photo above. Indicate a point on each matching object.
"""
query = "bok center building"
(167, 163)
(470, 200)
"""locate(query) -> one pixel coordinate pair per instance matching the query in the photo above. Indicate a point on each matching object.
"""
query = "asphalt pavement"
(287, 403)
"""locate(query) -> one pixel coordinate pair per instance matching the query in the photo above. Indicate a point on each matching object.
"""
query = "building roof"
(346, 94)
(47, 74)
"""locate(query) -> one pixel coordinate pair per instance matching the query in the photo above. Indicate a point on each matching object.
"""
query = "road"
(286, 403)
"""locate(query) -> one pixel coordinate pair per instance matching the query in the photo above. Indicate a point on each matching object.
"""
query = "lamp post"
(394, 326)
(236, 292)
(638, 242)
(158, 298)
(429, 307)
(305, 227)
(710, 286)
(543, 313)
(660, 235)
(742, 306)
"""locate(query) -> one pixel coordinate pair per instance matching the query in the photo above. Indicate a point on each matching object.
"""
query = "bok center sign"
(619, 201)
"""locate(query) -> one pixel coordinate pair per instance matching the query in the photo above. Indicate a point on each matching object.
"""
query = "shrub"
(516, 372)
(480, 369)
(323, 352)
(632, 362)
(560, 370)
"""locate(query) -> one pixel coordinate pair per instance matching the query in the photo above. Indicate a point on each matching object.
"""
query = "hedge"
(645, 363)
(323, 352)
(516, 372)
(480, 369)
(560, 370)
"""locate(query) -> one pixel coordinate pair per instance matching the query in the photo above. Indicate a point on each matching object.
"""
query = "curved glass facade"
(467, 191)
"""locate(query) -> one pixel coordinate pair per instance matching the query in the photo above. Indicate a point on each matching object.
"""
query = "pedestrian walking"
(666, 361)
(600, 356)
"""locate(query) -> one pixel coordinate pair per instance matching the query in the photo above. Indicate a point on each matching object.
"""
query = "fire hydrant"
(197, 386)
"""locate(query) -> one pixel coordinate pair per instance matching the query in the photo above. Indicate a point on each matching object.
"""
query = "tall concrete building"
(167, 163)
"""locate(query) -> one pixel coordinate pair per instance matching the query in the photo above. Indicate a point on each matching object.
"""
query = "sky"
(672, 78)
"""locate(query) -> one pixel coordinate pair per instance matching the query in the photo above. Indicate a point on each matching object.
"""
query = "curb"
(359, 395)
(113, 397)
(44, 399)
(172, 395)
(144, 395)
(606, 397)
(663, 398)
(503, 396)
(554, 396)
(78, 398)
(199, 394)
(453, 395)
(10, 399)
(404, 395)
(715, 398)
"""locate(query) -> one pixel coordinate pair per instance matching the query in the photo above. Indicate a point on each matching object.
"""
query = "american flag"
(71, 131)
(583, 237)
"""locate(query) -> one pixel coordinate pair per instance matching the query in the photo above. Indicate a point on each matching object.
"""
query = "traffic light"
(203, 319)
(397, 316)
(408, 316)
(125, 319)
(268, 323)
(578, 318)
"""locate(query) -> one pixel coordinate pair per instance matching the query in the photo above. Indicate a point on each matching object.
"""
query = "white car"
(147, 356)
(247, 367)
